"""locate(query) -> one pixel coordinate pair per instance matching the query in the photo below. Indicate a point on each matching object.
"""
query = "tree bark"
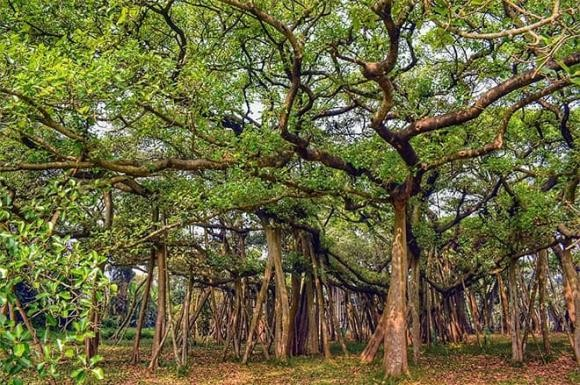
(516, 335)
(143, 310)
(395, 359)
(294, 307)
(319, 297)
(414, 301)
(368, 354)
(505, 325)
(334, 320)
(160, 327)
(312, 346)
(474, 314)
(571, 293)
(258, 309)
(275, 252)
(185, 322)
(542, 279)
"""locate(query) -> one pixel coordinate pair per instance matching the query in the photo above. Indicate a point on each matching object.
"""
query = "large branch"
(506, 33)
(133, 168)
(494, 94)
(498, 141)
(383, 8)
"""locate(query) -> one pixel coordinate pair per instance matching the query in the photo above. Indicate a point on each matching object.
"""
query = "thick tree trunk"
(505, 324)
(516, 335)
(571, 293)
(294, 308)
(312, 346)
(474, 314)
(160, 327)
(429, 314)
(414, 300)
(542, 279)
(440, 331)
(278, 344)
(157, 350)
(461, 312)
(301, 327)
(395, 359)
(319, 298)
(275, 252)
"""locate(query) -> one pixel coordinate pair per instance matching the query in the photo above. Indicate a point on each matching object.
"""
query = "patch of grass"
(129, 334)
(451, 364)
(574, 376)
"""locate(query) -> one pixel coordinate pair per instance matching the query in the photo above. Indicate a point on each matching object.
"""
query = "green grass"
(451, 364)
(574, 376)
(129, 334)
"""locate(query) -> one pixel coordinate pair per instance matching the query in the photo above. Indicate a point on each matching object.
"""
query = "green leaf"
(99, 373)
(20, 349)
(79, 375)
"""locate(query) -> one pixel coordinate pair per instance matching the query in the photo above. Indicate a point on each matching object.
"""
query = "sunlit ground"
(440, 365)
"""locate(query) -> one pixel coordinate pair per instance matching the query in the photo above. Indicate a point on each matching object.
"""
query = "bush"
(129, 335)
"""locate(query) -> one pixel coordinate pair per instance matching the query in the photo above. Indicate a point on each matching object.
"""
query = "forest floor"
(456, 364)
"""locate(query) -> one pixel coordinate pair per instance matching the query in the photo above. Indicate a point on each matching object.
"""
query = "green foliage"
(63, 278)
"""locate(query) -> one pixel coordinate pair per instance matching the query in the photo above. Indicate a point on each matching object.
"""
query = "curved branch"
(494, 94)
(498, 141)
(507, 33)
